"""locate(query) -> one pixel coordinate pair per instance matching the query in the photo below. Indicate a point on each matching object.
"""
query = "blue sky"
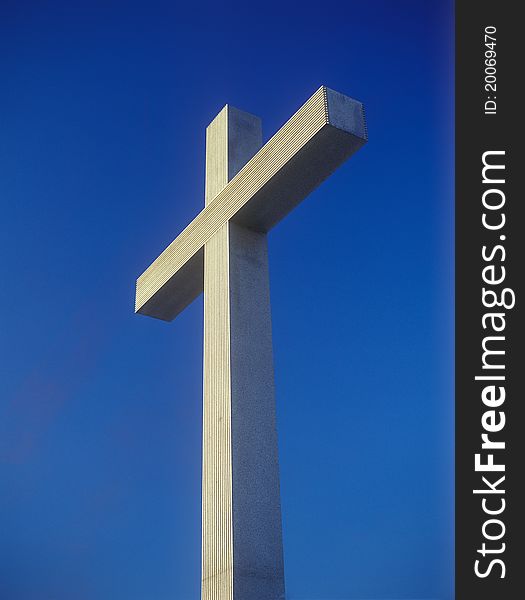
(103, 108)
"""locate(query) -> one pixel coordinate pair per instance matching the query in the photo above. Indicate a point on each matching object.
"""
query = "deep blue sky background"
(103, 108)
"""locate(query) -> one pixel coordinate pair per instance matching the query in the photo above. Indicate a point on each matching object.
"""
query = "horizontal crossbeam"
(320, 136)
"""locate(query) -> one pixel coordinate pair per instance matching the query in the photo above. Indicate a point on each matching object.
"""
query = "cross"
(250, 187)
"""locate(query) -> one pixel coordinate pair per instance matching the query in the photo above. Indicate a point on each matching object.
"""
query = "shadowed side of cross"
(223, 252)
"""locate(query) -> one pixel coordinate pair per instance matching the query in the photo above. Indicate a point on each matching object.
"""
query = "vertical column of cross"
(217, 519)
(241, 530)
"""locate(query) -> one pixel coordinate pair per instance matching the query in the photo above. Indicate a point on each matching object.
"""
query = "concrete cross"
(249, 188)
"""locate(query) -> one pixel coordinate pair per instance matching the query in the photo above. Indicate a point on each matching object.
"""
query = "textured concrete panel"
(217, 519)
(223, 251)
(321, 135)
(241, 132)
(257, 534)
(242, 557)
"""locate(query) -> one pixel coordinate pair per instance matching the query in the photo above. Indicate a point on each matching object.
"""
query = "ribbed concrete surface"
(217, 520)
(223, 251)
(242, 557)
(318, 137)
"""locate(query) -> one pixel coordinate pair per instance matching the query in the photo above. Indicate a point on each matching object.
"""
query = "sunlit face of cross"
(223, 252)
